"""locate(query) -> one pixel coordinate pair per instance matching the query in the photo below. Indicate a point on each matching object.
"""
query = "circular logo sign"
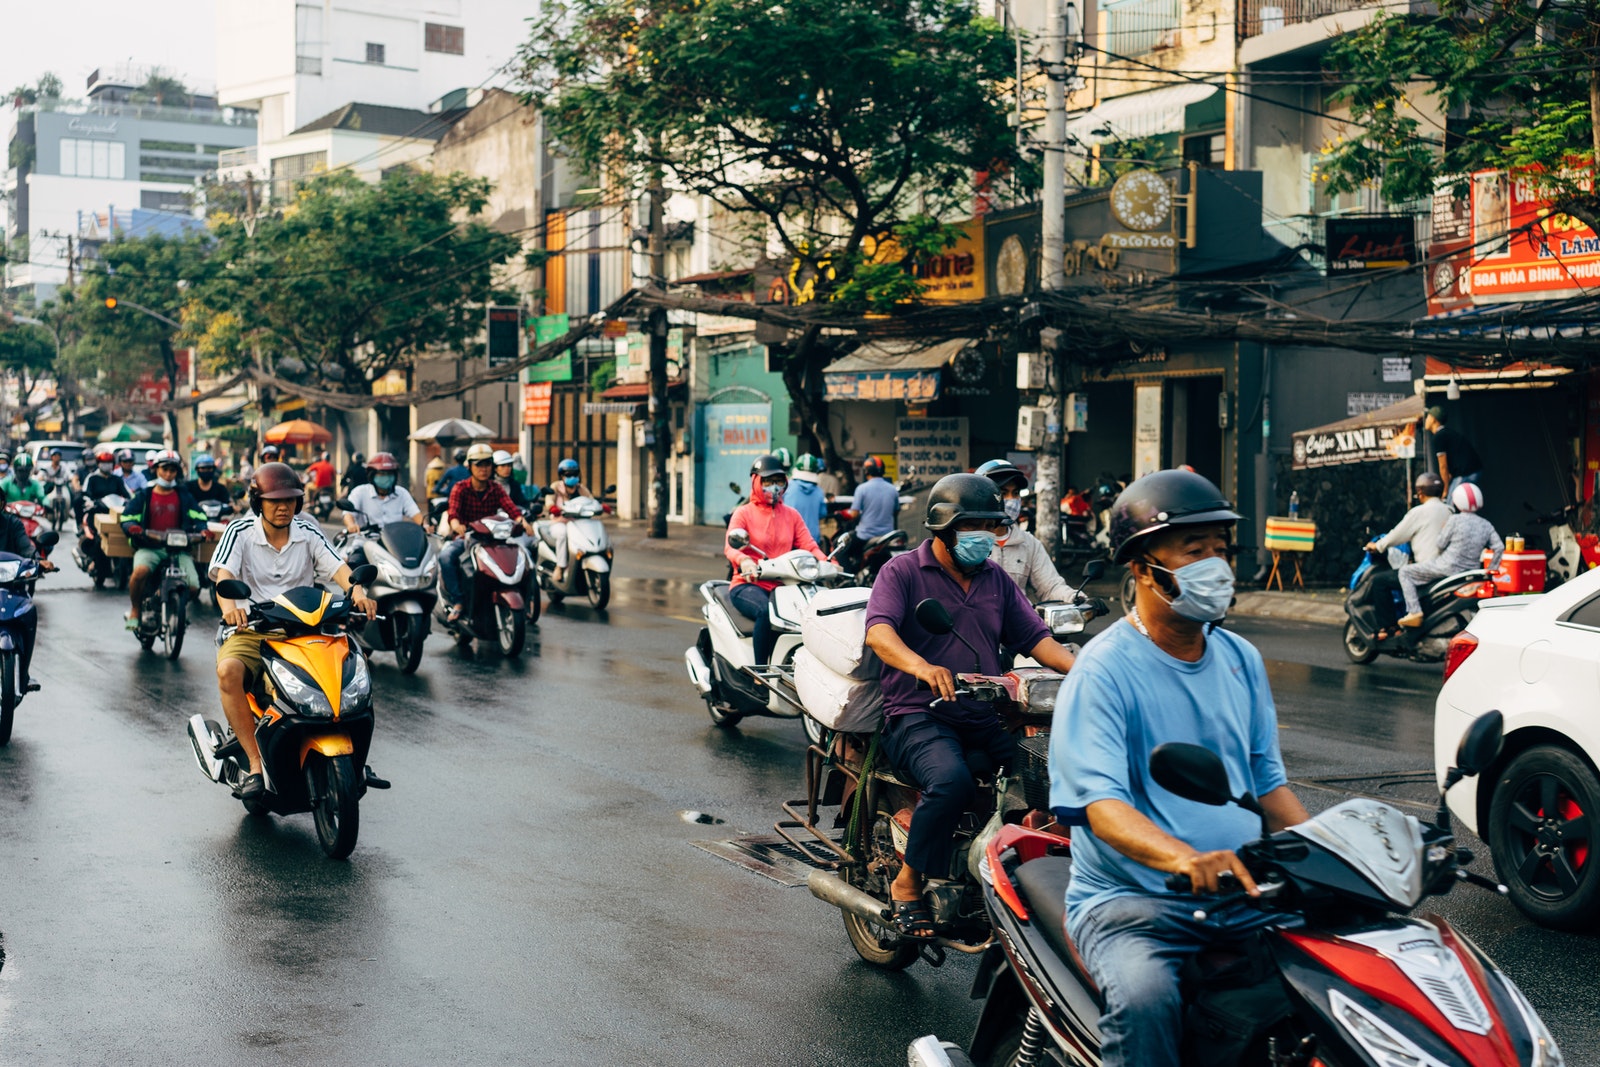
(1141, 200)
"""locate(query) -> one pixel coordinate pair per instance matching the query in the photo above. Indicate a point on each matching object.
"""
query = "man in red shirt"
(321, 472)
(476, 498)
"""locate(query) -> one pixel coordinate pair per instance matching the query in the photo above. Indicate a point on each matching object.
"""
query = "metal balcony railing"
(1266, 16)
(236, 157)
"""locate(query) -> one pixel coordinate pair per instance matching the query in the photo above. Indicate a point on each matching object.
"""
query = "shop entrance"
(1190, 432)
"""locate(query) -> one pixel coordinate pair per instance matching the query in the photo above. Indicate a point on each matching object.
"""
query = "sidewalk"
(698, 542)
(1323, 605)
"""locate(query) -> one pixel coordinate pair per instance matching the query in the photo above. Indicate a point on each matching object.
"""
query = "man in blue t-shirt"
(1163, 673)
(877, 500)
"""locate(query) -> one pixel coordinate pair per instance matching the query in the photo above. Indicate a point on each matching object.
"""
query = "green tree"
(112, 348)
(1520, 84)
(48, 87)
(831, 121)
(29, 352)
(349, 280)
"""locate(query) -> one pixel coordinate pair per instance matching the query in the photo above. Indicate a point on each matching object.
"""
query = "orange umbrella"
(298, 432)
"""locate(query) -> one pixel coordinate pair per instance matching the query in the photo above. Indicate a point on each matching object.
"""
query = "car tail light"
(1462, 645)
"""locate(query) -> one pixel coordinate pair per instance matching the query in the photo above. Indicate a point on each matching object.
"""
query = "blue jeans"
(450, 568)
(1135, 947)
(752, 602)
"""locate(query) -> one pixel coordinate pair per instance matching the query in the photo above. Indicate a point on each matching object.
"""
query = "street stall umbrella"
(126, 431)
(298, 432)
(454, 430)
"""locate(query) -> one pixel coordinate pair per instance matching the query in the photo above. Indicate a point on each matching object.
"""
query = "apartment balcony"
(1269, 28)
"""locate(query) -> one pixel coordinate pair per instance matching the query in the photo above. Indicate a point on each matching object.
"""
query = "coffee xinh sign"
(1370, 242)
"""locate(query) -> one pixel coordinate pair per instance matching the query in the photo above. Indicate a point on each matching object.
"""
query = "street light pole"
(1052, 273)
(658, 407)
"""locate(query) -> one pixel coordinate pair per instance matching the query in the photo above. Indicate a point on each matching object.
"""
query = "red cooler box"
(1520, 572)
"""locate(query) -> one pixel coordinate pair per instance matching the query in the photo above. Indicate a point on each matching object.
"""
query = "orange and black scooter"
(312, 701)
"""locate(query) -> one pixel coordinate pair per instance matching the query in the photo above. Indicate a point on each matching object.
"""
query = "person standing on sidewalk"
(1458, 460)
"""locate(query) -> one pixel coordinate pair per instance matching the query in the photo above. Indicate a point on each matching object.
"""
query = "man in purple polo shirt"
(938, 742)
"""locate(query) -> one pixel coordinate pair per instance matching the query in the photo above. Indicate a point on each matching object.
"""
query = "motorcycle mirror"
(363, 574)
(608, 490)
(1093, 570)
(933, 617)
(735, 487)
(233, 589)
(1481, 744)
(738, 538)
(1191, 772)
(344, 504)
(48, 539)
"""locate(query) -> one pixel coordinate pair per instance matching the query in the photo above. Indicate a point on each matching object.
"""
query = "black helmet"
(358, 460)
(460, 456)
(1429, 484)
(1163, 499)
(767, 466)
(964, 496)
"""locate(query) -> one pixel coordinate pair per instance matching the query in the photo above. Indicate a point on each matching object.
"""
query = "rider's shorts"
(154, 558)
(244, 646)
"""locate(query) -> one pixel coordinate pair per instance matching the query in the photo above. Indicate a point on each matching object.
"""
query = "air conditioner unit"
(1030, 428)
(1033, 370)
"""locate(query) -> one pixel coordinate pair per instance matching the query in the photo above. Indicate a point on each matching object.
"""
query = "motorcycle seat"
(1043, 883)
(883, 539)
(1446, 587)
(746, 627)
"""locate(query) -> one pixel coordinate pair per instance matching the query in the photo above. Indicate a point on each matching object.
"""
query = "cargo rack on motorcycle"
(824, 789)
(780, 680)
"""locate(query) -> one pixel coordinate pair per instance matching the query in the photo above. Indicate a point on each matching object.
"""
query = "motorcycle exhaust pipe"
(832, 889)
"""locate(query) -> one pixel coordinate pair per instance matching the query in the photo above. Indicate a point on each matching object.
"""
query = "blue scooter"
(1448, 605)
(17, 624)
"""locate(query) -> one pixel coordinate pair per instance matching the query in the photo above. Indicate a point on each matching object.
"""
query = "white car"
(1536, 659)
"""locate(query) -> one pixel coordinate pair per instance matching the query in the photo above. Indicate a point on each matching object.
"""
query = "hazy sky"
(74, 37)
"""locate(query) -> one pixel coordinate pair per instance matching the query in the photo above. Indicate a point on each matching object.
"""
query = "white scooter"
(722, 663)
(588, 570)
(405, 588)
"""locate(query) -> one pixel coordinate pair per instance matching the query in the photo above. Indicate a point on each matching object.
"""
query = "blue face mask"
(973, 548)
(383, 482)
(1013, 508)
(1205, 589)
(571, 481)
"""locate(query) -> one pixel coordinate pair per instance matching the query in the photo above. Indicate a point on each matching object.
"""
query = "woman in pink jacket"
(774, 528)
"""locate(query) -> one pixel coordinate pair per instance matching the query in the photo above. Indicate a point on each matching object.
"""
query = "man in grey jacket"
(1461, 542)
(1420, 528)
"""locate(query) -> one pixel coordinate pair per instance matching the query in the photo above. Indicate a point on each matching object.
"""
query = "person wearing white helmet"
(504, 473)
(1461, 542)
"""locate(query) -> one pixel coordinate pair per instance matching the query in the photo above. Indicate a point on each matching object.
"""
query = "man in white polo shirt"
(271, 552)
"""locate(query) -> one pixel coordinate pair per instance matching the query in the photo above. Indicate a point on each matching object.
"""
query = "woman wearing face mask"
(774, 528)
(567, 486)
(1017, 550)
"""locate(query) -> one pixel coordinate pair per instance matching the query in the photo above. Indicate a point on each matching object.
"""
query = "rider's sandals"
(914, 919)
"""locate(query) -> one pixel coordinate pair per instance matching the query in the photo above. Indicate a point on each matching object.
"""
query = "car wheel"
(1541, 821)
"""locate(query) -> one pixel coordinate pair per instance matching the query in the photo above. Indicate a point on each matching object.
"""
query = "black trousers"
(943, 760)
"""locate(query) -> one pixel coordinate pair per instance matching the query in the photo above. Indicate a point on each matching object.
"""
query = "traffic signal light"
(111, 303)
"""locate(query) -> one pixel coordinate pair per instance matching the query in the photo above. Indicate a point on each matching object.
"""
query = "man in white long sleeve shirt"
(1019, 552)
(1420, 527)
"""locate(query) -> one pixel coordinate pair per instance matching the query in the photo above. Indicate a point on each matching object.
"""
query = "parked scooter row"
(1348, 977)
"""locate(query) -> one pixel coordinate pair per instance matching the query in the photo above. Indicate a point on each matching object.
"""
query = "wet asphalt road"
(526, 893)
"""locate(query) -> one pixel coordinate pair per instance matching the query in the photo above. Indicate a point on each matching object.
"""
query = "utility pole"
(1052, 273)
(659, 422)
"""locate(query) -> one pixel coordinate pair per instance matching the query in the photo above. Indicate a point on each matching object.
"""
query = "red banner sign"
(1522, 250)
(536, 400)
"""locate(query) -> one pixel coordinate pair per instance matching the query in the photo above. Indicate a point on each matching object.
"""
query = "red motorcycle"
(35, 520)
(1348, 978)
(496, 584)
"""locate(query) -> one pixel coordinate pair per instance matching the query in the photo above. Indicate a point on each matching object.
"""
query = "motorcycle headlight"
(305, 695)
(1387, 1046)
(10, 570)
(808, 569)
(357, 689)
(1545, 1052)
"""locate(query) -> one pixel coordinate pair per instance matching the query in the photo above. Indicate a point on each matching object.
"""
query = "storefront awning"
(612, 407)
(891, 370)
(1147, 114)
(1387, 433)
(226, 416)
(1439, 374)
(636, 392)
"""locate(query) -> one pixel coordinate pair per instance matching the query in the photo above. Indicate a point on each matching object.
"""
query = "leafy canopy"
(350, 280)
(833, 119)
(1513, 77)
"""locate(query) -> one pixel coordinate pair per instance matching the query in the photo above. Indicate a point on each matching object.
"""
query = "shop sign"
(1524, 250)
(954, 276)
(1396, 368)
(905, 385)
(502, 339)
(934, 447)
(1370, 242)
(1146, 430)
(1360, 445)
(536, 402)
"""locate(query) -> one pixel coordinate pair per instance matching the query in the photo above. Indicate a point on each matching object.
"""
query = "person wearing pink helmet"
(1461, 542)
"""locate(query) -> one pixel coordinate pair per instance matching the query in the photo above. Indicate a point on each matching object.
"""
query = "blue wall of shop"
(736, 375)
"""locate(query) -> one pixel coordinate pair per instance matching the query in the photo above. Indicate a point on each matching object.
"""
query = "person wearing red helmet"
(166, 504)
(877, 501)
(271, 552)
(381, 499)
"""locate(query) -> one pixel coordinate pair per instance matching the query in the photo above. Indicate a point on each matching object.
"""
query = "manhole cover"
(767, 855)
